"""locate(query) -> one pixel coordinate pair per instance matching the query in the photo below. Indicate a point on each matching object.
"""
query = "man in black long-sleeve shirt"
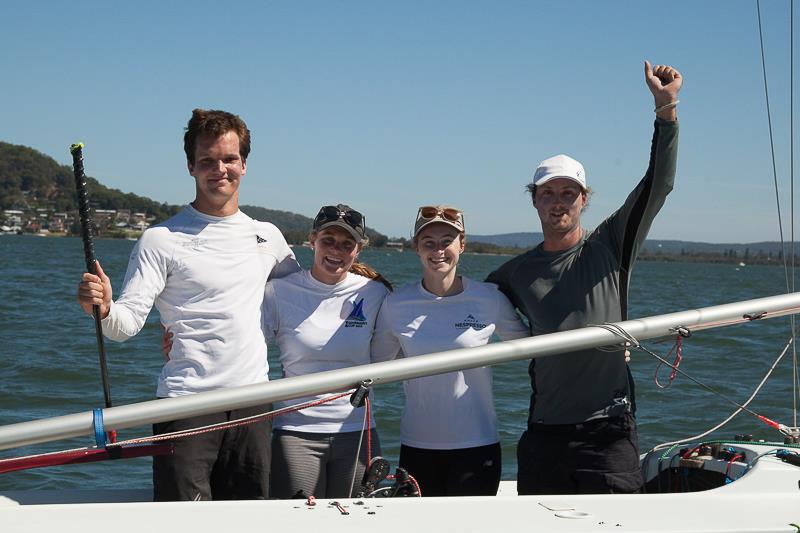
(581, 435)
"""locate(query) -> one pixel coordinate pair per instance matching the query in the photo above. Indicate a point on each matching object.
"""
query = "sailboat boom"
(133, 415)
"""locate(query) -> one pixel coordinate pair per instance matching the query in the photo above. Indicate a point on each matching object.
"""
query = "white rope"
(358, 451)
(229, 424)
(737, 411)
(620, 332)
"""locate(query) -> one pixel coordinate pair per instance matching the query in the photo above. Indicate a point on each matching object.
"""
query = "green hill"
(31, 182)
(296, 227)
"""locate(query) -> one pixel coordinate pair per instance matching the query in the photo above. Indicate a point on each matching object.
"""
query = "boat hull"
(765, 497)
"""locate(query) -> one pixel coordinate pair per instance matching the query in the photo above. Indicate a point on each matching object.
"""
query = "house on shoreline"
(105, 222)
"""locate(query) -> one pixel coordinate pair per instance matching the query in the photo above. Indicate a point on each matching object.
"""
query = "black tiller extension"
(88, 251)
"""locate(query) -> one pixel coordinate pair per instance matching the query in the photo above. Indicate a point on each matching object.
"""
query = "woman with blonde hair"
(448, 431)
(323, 319)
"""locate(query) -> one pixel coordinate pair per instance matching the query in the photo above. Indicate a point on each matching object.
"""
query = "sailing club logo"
(470, 322)
(356, 318)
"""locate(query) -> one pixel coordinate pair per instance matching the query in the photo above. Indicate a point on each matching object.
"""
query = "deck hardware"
(683, 331)
(787, 456)
(573, 514)
(342, 510)
(361, 393)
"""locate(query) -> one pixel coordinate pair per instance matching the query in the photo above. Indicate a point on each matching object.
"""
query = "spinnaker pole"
(133, 415)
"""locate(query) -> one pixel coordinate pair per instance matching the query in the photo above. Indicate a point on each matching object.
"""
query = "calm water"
(48, 356)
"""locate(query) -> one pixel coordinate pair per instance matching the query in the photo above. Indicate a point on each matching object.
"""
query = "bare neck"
(557, 242)
(443, 286)
(216, 210)
(327, 279)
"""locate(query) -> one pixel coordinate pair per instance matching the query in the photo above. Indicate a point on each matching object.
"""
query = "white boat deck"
(764, 498)
(767, 498)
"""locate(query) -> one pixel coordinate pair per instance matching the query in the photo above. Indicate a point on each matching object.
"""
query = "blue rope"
(99, 429)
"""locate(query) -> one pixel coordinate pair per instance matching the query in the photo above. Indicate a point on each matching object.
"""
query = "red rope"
(689, 452)
(677, 348)
(412, 479)
(730, 463)
(88, 454)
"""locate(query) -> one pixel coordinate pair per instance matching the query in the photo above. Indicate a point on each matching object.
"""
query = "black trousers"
(597, 457)
(230, 464)
(460, 472)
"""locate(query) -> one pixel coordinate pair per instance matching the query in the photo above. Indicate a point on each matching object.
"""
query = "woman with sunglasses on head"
(448, 431)
(323, 319)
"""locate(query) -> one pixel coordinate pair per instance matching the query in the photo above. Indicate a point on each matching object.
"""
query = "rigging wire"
(772, 145)
(622, 333)
(791, 180)
(738, 410)
(790, 279)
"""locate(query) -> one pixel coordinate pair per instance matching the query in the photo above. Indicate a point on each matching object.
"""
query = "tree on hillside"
(31, 179)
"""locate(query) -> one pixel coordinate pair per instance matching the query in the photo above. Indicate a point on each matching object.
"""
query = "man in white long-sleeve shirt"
(204, 270)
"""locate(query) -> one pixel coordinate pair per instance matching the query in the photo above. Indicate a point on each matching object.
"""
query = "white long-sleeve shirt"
(453, 410)
(206, 276)
(321, 327)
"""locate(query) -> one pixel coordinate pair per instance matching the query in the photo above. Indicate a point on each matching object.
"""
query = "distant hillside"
(296, 227)
(652, 246)
(740, 249)
(30, 180)
(508, 240)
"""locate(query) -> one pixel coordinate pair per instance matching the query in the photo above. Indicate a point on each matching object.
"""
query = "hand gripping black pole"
(88, 251)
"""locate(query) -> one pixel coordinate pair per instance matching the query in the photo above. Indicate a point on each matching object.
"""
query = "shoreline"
(696, 257)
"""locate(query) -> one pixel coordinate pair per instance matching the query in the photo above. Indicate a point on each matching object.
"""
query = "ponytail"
(362, 269)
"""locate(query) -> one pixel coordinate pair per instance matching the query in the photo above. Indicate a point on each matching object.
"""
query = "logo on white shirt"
(470, 322)
(193, 242)
(356, 318)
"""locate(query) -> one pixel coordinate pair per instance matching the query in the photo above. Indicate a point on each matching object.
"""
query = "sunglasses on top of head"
(428, 212)
(332, 213)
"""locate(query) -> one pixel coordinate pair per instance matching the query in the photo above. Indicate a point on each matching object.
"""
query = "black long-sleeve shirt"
(588, 284)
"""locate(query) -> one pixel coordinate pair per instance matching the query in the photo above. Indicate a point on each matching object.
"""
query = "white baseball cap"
(559, 166)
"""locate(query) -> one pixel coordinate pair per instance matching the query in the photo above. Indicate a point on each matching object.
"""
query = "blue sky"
(390, 105)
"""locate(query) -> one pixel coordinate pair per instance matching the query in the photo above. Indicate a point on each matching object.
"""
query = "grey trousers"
(231, 464)
(318, 464)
